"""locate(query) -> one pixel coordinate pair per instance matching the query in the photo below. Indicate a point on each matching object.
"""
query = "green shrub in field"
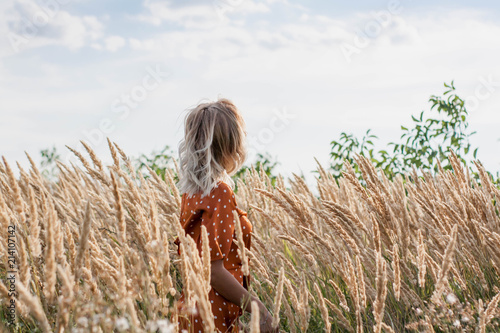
(433, 134)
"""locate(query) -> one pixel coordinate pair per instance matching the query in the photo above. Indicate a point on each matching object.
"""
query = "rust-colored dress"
(215, 212)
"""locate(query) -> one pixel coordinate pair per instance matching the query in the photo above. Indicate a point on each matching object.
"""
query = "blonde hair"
(213, 147)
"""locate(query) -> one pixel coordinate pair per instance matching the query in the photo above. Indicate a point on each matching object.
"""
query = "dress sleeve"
(219, 221)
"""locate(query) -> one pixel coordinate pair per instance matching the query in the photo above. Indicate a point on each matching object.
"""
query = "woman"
(213, 148)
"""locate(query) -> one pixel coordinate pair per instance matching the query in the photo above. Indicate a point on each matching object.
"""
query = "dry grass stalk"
(387, 328)
(290, 317)
(379, 304)
(203, 304)
(343, 234)
(323, 309)
(205, 251)
(428, 323)
(34, 230)
(93, 157)
(360, 275)
(445, 267)
(303, 307)
(16, 191)
(34, 306)
(256, 264)
(122, 226)
(4, 292)
(24, 266)
(50, 256)
(340, 295)
(421, 259)
(487, 315)
(292, 294)
(354, 288)
(277, 298)
(83, 243)
(397, 272)
(307, 254)
(255, 319)
(241, 244)
(341, 319)
(66, 300)
(90, 170)
(114, 154)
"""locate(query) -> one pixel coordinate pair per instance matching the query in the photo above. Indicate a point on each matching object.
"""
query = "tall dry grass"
(95, 250)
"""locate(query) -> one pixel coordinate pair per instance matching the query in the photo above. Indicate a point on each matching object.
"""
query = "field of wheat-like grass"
(94, 250)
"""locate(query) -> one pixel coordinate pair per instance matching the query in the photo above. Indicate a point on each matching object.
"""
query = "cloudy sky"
(301, 72)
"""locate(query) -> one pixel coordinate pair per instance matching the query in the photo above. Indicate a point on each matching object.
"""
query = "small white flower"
(83, 321)
(451, 298)
(465, 319)
(151, 326)
(121, 324)
(456, 323)
(418, 311)
(165, 326)
(96, 318)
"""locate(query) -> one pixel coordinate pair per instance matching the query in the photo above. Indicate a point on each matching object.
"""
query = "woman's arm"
(226, 285)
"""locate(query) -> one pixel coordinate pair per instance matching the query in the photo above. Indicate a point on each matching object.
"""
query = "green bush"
(431, 137)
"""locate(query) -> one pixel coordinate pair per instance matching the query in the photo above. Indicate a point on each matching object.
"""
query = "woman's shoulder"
(221, 189)
(222, 193)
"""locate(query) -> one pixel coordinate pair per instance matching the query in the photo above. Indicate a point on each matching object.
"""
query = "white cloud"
(192, 16)
(31, 25)
(114, 43)
(246, 6)
(198, 16)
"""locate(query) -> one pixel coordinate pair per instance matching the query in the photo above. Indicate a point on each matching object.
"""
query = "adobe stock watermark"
(278, 123)
(483, 90)
(122, 107)
(30, 25)
(371, 30)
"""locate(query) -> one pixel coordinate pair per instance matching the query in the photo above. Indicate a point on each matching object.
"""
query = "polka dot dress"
(215, 212)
